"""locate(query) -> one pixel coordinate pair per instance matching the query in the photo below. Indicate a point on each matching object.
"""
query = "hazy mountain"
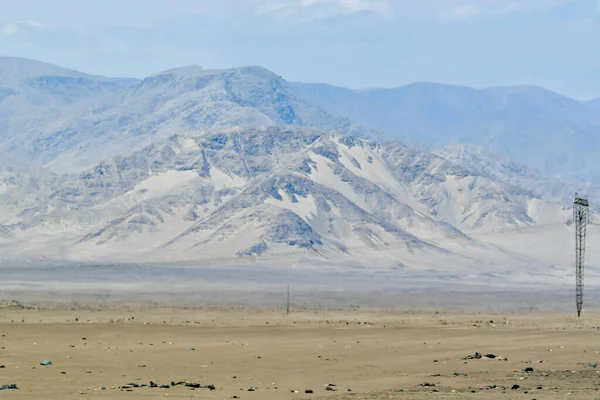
(544, 130)
(28, 86)
(594, 103)
(35, 95)
(501, 168)
(178, 101)
(22, 185)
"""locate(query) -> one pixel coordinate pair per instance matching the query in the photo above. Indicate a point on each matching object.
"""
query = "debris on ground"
(46, 363)
(479, 356)
(152, 384)
(11, 386)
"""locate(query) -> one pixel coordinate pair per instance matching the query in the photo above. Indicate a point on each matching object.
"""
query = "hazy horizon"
(349, 43)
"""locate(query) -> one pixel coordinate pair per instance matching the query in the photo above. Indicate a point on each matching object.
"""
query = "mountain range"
(552, 133)
(238, 165)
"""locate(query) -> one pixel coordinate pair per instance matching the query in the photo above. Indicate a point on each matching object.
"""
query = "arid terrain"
(104, 351)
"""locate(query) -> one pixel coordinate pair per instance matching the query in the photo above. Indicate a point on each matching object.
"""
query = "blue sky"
(353, 43)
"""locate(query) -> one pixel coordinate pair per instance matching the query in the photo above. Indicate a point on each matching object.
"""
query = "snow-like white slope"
(322, 172)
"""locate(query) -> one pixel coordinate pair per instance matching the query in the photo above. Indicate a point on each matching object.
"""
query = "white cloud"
(15, 27)
(319, 9)
(446, 10)
(462, 12)
(452, 10)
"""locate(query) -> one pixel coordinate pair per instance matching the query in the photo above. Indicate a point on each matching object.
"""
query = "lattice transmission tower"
(580, 218)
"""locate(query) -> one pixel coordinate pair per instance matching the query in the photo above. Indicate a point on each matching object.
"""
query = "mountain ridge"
(507, 120)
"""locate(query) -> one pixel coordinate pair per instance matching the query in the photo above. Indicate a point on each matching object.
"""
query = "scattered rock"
(515, 387)
(153, 384)
(308, 391)
(474, 356)
(528, 369)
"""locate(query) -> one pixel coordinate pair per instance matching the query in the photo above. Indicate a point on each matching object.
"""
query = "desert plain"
(370, 342)
(367, 354)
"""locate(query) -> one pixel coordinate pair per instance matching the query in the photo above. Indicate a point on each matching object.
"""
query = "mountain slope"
(35, 95)
(177, 101)
(500, 168)
(28, 86)
(533, 126)
(278, 193)
(595, 103)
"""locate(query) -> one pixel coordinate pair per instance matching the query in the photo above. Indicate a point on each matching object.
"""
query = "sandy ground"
(367, 354)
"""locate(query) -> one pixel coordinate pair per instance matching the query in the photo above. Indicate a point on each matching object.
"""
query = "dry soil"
(366, 354)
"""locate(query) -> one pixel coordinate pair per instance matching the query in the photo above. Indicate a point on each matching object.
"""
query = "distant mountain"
(594, 103)
(178, 101)
(501, 168)
(544, 130)
(27, 85)
(22, 185)
(274, 192)
(203, 166)
(35, 95)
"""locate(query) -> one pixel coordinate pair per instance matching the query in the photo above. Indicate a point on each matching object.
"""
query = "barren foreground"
(366, 354)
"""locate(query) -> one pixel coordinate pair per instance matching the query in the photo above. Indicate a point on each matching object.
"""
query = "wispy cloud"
(451, 10)
(320, 9)
(15, 27)
(462, 12)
